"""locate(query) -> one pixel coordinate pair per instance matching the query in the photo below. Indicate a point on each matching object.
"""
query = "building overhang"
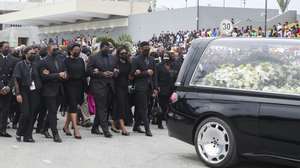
(71, 11)
(92, 25)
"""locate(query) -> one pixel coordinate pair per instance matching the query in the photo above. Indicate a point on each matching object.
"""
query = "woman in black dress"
(27, 87)
(74, 87)
(121, 85)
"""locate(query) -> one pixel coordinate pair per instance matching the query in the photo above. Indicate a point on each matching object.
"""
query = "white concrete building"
(43, 18)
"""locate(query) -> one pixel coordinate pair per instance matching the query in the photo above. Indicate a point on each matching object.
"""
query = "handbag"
(156, 110)
(91, 104)
(131, 88)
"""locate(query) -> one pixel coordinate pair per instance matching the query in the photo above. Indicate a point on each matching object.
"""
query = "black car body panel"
(265, 124)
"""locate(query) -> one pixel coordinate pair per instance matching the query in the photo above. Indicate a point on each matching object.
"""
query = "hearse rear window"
(254, 65)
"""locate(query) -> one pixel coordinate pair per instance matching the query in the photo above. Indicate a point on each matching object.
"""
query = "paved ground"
(136, 151)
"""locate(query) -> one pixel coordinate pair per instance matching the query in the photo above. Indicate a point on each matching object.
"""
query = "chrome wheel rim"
(213, 142)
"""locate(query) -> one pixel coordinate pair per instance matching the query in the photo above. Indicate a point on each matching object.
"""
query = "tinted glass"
(250, 64)
(184, 66)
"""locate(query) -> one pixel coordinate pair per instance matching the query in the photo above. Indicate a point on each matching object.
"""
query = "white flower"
(262, 77)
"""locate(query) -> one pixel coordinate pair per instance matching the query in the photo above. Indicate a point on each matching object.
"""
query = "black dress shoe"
(148, 133)
(87, 123)
(68, 133)
(138, 130)
(56, 137)
(5, 135)
(19, 138)
(47, 135)
(96, 131)
(160, 126)
(29, 140)
(115, 130)
(107, 134)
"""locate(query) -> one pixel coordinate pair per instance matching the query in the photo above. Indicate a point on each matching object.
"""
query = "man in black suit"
(53, 73)
(143, 71)
(40, 114)
(102, 69)
(7, 64)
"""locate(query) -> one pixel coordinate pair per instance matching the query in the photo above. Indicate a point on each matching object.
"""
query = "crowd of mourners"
(183, 38)
(115, 86)
(121, 89)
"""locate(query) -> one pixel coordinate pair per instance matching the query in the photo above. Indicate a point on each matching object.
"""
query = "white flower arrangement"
(265, 77)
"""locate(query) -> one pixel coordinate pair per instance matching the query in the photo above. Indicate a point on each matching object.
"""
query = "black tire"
(232, 158)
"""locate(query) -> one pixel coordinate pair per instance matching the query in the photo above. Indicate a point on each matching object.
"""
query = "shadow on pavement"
(256, 164)
(243, 164)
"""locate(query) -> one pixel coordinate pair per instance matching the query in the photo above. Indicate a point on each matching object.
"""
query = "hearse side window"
(253, 65)
(184, 66)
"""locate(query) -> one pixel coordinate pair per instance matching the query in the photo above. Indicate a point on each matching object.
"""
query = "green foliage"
(122, 40)
(106, 38)
(125, 38)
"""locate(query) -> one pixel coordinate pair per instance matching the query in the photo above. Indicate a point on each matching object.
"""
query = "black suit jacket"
(22, 76)
(143, 82)
(52, 83)
(6, 71)
(98, 81)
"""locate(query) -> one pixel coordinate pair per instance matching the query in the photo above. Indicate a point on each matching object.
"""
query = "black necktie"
(29, 68)
(147, 62)
(56, 64)
(106, 62)
(5, 60)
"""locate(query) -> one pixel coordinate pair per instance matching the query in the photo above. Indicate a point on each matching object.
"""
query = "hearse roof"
(200, 41)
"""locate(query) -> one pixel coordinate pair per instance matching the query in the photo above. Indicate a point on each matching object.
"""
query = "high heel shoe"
(68, 133)
(77, 136)
(125, 133)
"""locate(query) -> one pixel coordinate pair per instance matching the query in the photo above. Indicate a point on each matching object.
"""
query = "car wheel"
(215, 143)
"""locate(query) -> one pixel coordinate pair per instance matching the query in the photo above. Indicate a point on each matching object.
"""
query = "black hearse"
(239, 98)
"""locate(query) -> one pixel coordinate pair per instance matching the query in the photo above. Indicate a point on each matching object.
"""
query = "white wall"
(12, 34)
(143, 26)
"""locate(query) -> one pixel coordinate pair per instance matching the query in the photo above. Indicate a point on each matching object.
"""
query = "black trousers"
(163, 102)
(4, 110)
(31, 102)
(141, 109)
(40, 115)
(14, 112)
(52, 104)
(103, 101)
